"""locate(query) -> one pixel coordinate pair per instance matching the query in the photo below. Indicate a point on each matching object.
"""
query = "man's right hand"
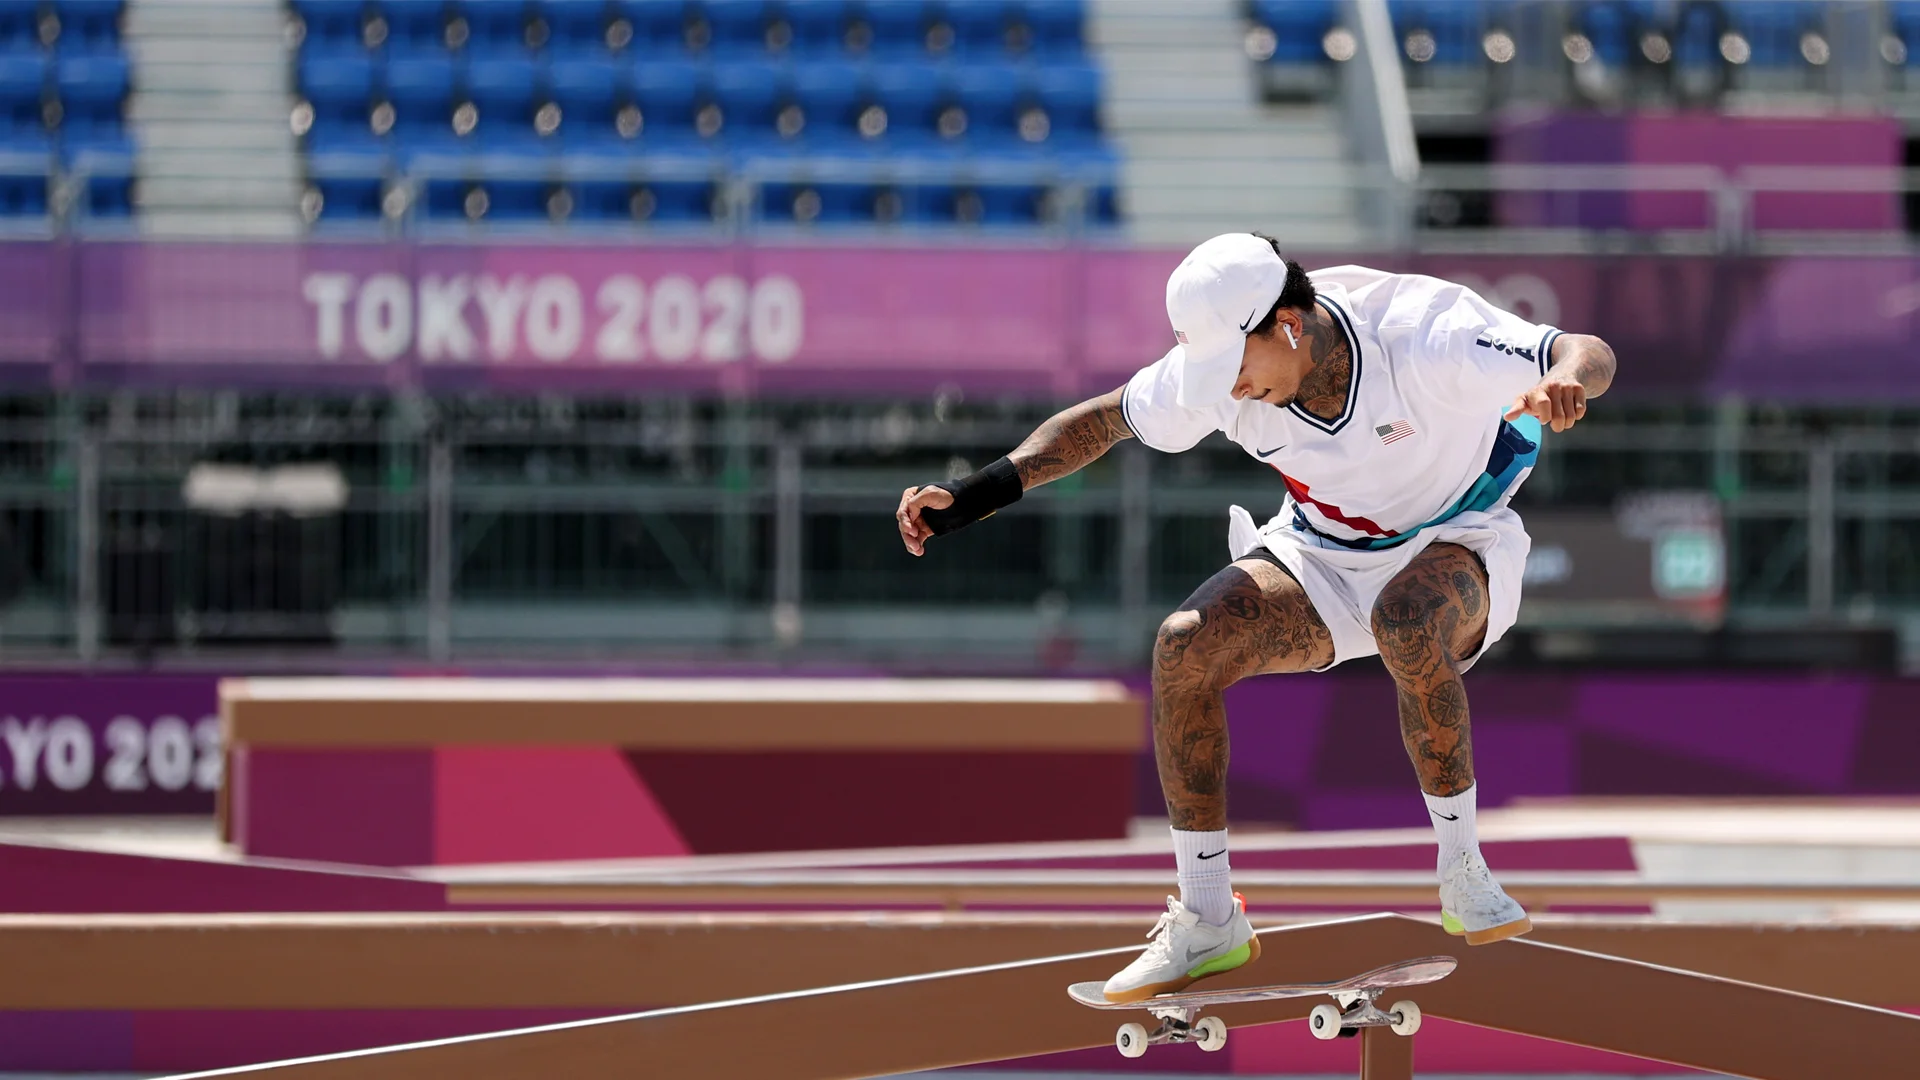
(915, 532)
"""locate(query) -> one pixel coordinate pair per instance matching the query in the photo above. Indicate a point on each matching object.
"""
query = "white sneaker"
(1185, 950)
(1474, 905)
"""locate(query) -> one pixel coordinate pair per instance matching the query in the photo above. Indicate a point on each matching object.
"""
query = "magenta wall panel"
(372, 807)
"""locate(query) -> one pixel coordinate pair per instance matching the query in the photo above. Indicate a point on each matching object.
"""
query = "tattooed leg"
(1428, 619)
(1251, 618)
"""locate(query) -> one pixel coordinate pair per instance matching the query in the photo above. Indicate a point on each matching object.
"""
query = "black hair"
(1297, 294)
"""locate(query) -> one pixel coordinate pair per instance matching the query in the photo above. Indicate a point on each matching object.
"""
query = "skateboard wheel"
(1406, 1017)
(1210, 1033)
(1324, 1021)
(1131, 1040)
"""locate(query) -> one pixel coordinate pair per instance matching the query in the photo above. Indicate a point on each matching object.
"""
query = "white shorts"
(1343, 583)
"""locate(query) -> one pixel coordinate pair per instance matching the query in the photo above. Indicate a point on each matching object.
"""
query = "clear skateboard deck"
(1180, 1021)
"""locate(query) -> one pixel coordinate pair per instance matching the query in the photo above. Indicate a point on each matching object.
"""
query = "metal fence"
(696, 528)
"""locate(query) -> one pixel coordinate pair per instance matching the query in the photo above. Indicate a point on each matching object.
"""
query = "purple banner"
(1324, 752)
(108, 744)
(1719, 145)
(741, 320)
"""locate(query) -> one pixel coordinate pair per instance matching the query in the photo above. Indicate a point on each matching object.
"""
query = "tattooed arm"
(1583, 367)
(1062, 445)
(1071, 439)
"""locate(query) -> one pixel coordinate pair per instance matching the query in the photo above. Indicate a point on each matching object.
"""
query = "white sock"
(1453, 822)
(1206, 885)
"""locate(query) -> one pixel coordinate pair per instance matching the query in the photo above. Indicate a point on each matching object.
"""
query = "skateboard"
(1177, 1012)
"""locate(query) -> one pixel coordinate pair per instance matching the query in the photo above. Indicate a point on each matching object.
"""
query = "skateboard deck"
(1177, 1011)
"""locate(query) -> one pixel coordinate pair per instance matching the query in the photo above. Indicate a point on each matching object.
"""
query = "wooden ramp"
(1020, 1009)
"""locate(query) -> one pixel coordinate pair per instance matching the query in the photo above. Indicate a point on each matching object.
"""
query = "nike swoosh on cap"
(1249, 323)
(1269, 453)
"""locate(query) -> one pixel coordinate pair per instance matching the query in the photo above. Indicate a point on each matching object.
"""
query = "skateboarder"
(1401, 412)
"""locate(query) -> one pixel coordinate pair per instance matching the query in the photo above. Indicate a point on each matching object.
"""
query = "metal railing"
(735, 531)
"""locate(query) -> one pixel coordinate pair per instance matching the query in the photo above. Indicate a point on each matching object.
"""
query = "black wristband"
(974, 497)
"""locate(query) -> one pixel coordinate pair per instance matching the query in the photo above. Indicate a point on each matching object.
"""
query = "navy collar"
(1333, 426)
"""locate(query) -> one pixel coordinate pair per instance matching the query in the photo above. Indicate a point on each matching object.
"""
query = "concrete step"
(209, 108)
(1291, 201)
(213, 79)
(1133, 29)
(1230, 91)
(1337, 238)
(239, 60)
(148, 22)
(1276, 144)
(1209, 174)
(228, 135)
(224, 224)
(277, 168)
(1192, 60)
(265, 50)
(228, 192)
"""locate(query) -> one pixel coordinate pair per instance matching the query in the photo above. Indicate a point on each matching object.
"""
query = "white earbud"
(1291, 340)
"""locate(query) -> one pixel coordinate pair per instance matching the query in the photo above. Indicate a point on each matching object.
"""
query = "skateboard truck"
(1357, 1010)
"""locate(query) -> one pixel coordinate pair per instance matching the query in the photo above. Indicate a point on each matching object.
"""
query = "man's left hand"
(1558, 401)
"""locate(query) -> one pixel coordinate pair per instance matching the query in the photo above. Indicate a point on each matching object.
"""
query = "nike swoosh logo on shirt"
(1204, 855)
(1446, 817)
(1245, 325)
(1269, 453)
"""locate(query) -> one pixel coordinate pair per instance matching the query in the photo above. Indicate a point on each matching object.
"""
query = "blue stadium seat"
(338, 83)
(912, 95)
(332, 23)
(1298, 28)
(504, 90)
(1070, 95)
(979, 28)
(19, 25)
(517, 186)
(1696, 40)
(819, 26)
(93, 92)
(1454, 27)
(23, 88)
(991, 96)
(826, 197)
(1609, 26)
(658, 26)
(589, 93)
(898, 27)
(668, 93)
(1056, 27)
(494, 26)
(749, 95)
(414, 25)
(348, 169)
(830, 95)
(1773, 29)
(1903, 18)
(625, 182)
(420, 87)
(575, 28)
(736, 29)
(89, 24)
(23, 182)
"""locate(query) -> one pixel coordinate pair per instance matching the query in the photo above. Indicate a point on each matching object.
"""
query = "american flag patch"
(1394, 432)
(1180, 336)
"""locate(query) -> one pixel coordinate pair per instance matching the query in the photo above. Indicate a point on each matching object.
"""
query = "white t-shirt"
(1421, 438)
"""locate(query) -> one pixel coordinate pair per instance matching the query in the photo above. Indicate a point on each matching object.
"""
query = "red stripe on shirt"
(1302, 494)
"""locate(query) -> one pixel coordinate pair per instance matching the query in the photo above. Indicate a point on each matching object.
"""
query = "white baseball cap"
(1215, 296)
